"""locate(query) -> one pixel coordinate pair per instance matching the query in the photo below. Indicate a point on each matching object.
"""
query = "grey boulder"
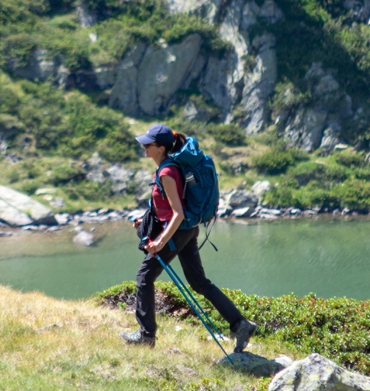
(317, 373)
(84, 238)
(254, 364)
(17, 209)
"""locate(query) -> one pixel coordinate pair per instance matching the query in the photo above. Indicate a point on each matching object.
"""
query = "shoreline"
(239, 215)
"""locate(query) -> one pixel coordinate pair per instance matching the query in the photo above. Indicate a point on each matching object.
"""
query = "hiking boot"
(138, 338)
(243, 333)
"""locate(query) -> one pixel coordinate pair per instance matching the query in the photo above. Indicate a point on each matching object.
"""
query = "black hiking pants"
(187, 251)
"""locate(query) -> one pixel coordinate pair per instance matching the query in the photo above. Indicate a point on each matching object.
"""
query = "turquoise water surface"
(326, 256)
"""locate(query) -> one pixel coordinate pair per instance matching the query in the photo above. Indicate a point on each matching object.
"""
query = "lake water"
(329, 257)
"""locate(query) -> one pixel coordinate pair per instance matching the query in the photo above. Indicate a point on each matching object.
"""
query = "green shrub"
(18, 47)
(30, 169)
(307, 171)
(90, 191)
(30, 186)
(65, 172)
(197, 129)
(348, 158)
(184, 25)
(334, 7)
(118, 147)
(68, 124)
(227, 168)
(230, 134)
(117, 36)
(73, 47)
(14, 11)
(336, 328)
(326, 176)
(315, 196)
(13, 175)
(282, 196)
(273, 162)
(44, 121)
(354, 194)
(362, 172)
(9, 101)
(287, 95)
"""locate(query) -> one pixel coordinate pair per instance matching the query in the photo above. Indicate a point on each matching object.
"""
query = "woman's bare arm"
(170, 188)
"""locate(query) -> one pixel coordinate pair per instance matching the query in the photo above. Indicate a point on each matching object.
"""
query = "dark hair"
(180, 140)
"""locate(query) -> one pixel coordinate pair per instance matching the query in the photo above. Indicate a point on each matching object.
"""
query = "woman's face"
(153, 151)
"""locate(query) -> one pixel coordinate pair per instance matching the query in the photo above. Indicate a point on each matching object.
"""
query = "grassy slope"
(50, 344)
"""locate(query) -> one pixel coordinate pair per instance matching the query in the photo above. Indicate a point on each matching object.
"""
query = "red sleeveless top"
(161, 205)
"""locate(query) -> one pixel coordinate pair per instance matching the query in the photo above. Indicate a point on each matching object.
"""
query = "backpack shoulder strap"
(166, 163)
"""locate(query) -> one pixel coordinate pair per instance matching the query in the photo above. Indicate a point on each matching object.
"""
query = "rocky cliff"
(246, 82)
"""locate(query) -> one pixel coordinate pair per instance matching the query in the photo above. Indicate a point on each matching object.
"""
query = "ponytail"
(180, 140)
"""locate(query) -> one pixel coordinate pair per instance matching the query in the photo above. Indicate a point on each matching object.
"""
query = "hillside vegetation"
(49, 130)
(50, 344)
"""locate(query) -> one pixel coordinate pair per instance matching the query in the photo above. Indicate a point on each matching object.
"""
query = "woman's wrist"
(160, 242)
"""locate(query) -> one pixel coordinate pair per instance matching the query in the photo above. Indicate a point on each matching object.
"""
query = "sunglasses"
(146, 146)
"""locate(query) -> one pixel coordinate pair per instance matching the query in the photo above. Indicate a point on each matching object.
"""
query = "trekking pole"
(196, 302)
(193, 298)
(172, 276)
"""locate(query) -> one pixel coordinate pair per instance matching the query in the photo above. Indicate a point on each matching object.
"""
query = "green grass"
(50, 344)
(337, 328)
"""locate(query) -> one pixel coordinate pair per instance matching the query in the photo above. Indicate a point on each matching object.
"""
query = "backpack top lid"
(190, 154)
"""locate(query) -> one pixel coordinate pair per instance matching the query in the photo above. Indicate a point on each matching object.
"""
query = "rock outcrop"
(86, 16)
(319, 123)
(17, 209)
(259, 84)
(163, 71)
(317, 373)
(239, 82)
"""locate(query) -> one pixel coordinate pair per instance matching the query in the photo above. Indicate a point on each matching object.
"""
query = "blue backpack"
(201, 193)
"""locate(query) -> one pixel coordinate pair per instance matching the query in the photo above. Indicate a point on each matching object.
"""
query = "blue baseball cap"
(157, 133)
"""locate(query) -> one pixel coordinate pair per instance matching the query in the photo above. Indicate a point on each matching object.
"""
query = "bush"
(337, 328)
(230, 134)
(305, 172)
(90, 191)
(326, 176)
(65, 172)
(287, 95)
(9, 101)
(273, 162)
(362, 173)
(118, 147)
(14, 11)
(30, 169)
(196, 129)
(315, 196)
(30, 186)
(282, 196)
(13, 175)
(354, 194)
(19, 48)
(349, 159)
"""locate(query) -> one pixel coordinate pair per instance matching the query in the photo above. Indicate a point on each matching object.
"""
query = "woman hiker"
(158, 142)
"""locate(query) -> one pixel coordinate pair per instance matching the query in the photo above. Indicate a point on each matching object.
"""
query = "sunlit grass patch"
(50, 344)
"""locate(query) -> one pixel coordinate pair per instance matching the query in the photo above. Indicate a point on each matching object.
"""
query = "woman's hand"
(137, 222)
(154, 247)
